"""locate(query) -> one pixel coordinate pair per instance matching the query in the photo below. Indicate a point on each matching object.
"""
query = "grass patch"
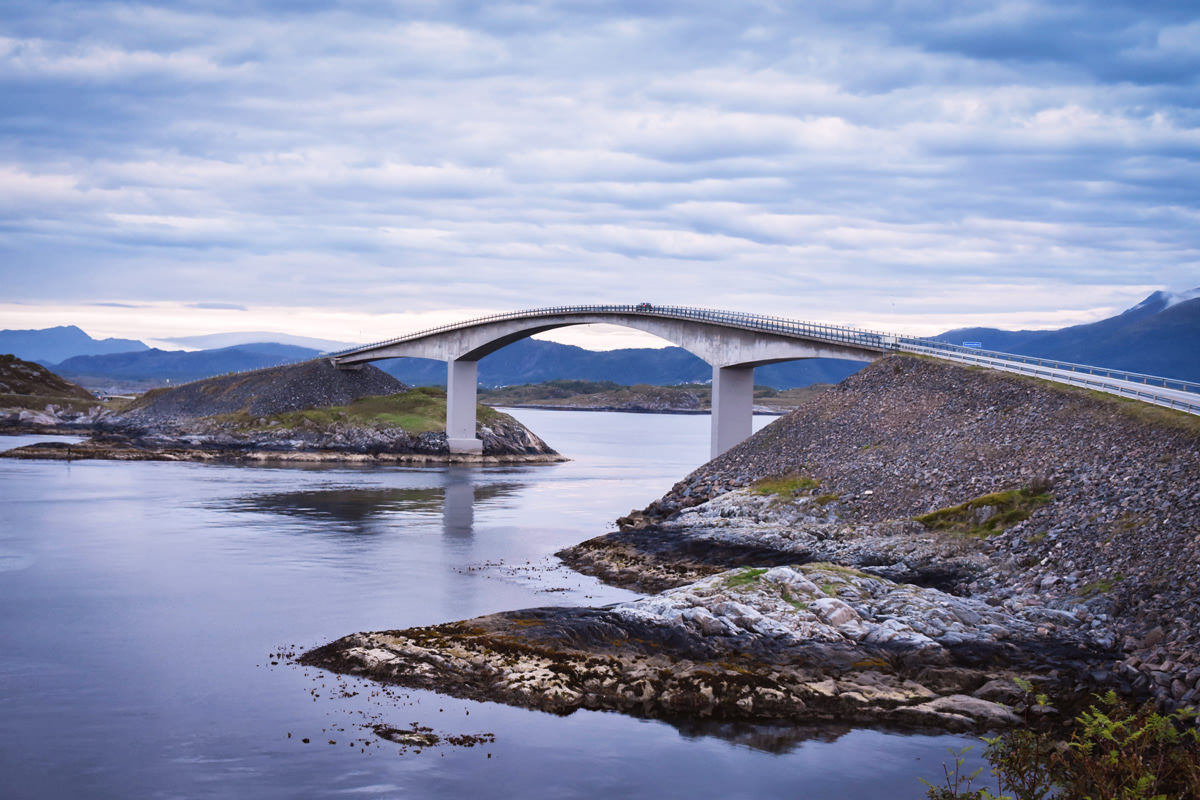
(419, 410)
(1147, 412)
(837, 569)
(1128, 523)
(1102, 586)
(744, 578)
(792, 600)
(825, 499)
(786, 486)
(988, 515)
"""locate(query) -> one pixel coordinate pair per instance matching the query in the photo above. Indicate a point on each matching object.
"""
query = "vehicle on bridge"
(643, 307)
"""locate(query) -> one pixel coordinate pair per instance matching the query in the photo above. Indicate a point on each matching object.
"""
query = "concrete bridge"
(732, 343)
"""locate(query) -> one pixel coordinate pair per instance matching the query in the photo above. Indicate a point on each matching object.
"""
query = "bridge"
(733, 343)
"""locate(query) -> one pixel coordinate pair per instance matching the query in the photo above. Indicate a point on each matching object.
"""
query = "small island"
(691, 398)
(306, 412)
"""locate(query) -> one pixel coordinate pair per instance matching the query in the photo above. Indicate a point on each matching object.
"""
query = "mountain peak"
(1175, 298)
(1162, 300)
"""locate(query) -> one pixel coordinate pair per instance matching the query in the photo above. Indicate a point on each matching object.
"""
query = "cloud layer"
(868, 163)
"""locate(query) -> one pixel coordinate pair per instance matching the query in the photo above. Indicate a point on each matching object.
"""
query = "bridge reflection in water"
(375, 511)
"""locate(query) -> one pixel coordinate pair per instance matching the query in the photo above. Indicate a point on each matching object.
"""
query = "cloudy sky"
(354, 170)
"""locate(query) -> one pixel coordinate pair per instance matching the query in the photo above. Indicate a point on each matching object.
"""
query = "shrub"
(1114, 752)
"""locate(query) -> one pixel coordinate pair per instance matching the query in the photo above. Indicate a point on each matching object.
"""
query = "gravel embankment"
(1118, 545)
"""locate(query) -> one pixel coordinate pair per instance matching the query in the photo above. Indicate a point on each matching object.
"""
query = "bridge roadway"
(733, 343)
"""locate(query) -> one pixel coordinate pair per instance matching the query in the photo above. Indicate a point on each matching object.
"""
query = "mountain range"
(1160, 336)
(51, 345)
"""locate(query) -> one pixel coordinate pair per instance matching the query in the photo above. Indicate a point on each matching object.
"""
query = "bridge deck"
(1171, 393)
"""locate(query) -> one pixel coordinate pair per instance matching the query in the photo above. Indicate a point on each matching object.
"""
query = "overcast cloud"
(912, 165)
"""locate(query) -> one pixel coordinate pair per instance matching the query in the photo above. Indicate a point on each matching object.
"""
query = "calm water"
(139, 603)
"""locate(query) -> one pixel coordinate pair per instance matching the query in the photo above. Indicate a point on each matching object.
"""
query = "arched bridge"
(733, 343)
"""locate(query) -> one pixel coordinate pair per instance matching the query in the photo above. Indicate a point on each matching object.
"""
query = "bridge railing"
(875, 340)
(1098, 381)
(1050, 363)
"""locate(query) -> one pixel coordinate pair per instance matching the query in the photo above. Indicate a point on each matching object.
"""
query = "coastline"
(903, 548)
(93, 451)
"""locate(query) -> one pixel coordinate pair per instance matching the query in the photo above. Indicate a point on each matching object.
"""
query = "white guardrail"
(1169, 392)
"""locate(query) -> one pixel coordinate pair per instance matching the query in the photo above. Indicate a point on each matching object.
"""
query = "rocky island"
(896, 551)
(35, 400)
(311, 411)
(580, 395)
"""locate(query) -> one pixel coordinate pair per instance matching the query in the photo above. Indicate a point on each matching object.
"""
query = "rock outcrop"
(814, 643)
(903, 546)
(1116, 544)
(32, 398)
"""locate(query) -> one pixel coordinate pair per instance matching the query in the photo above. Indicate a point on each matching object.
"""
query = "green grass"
(1010, 507)
(825, 499)
(1102, 586)
(418, 410)
(744, 578)
(837, 569)
(786, 486)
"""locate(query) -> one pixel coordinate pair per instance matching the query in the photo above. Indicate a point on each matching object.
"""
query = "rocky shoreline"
(118, 451)
(896, 552)
(817, 642)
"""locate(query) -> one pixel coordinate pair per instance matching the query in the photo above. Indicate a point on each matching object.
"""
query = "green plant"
(1101, 586)
(1007, 509)
(957, 782)
(745, 577)
(785, 486)
(1113, 752)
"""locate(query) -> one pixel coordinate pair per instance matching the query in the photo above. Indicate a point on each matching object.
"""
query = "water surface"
(140, 603)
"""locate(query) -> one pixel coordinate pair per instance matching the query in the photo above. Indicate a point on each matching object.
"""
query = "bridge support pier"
(732, 407)
(462, 382)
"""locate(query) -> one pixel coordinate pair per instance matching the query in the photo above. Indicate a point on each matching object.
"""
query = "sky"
(357, 170)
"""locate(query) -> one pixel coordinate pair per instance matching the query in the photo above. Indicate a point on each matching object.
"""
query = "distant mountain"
(1158, 336)
(525, 361)
(535, 361)
(213, 341)
(52, 345)
(177, 366)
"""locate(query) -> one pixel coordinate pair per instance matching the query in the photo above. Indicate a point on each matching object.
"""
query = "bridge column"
(732, 407)
(462, 380)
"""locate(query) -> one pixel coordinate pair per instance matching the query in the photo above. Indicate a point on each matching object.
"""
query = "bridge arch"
(732, 343)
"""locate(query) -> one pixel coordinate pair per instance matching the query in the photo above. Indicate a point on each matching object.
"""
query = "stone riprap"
(1117, 545)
